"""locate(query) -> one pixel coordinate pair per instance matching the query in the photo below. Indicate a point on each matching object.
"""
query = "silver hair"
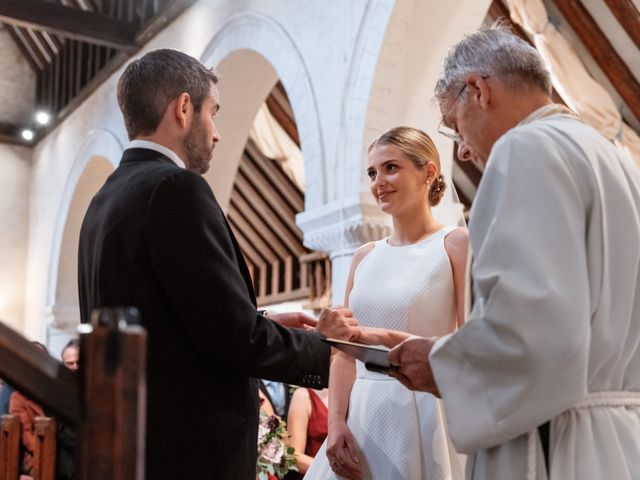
(495, 52)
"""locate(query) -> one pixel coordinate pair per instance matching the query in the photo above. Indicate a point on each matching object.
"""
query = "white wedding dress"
(401, 434)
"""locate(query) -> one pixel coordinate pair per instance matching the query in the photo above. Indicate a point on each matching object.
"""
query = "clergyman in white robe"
(554, 332)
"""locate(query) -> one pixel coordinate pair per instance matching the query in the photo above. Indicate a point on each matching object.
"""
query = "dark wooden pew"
(44, 454)
(10, 430)
(105, 400)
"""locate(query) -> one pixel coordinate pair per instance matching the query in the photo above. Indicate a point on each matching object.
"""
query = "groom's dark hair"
(151, 82)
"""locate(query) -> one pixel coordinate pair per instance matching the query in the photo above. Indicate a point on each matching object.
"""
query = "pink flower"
(274, 451)
(263, 431)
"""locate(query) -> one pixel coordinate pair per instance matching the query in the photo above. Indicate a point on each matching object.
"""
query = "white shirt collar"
(158, 148)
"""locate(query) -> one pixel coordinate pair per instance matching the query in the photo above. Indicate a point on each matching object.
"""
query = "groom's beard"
(197, 149)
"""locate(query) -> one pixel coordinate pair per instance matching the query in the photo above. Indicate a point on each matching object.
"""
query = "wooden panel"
(252, 236)
(10, 433)
(286, 188)
(263, 187)
(31, 370)
(253, 256)
(263, 209)
(44, 454)
(286, 122)
(35, 66)
(242, 207)
(113, 372)
(603, 52)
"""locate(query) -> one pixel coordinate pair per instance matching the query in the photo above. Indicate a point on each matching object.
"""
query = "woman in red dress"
(307, 424)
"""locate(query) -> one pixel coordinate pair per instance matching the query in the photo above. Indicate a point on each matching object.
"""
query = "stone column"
(339, 228)
(61, 321)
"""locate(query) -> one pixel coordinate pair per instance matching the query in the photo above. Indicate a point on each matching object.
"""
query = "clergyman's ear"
(479, 90)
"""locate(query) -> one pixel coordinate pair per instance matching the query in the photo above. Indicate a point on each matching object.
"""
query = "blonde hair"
(420, 149)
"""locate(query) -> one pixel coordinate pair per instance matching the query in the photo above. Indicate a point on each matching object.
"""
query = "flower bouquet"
(275, 456)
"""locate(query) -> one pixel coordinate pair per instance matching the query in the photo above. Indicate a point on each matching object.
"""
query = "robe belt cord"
(593, 400)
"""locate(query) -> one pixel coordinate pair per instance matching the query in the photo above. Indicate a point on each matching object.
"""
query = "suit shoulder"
(182, 182)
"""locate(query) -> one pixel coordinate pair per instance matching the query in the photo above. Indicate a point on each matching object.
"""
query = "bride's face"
(397, 184)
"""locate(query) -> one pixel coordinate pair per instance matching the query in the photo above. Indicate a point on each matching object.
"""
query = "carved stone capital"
(340, 227)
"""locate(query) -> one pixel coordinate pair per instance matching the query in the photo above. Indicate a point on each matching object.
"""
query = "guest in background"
(5, 394)
(26, 410)
(307, 425)
(278, 395)
(66, 435)
(71, 354)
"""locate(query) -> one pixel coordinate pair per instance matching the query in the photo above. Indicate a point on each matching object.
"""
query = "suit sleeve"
(522, 357)
(193, 255)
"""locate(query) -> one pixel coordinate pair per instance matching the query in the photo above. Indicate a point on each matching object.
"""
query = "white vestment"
(555, 233)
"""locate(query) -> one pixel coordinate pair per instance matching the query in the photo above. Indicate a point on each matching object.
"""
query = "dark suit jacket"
(155, 237)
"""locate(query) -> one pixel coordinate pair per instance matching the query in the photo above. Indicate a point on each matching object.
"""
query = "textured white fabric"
(401, 434)
(555, 229)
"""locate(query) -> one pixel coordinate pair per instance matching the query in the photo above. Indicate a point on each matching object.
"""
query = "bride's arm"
(342, 449)
(456, 244)
(381, 336)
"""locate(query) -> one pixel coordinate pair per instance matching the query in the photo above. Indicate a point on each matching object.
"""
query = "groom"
(155, 237)
(554, 333)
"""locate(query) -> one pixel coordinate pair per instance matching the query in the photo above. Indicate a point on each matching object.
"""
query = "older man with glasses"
(551, 348)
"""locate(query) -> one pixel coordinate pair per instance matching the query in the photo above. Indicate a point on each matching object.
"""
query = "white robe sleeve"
(522, 357)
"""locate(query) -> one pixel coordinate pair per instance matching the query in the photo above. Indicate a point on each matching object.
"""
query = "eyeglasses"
(448, 131)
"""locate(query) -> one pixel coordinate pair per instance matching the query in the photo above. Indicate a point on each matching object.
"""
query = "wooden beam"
(160, 20)
(602, 52)
(285, 186)
(33, 371)
(628, 16)
(36, 67)
(286, 122)
(12, 133)
(250, 233)
(264, 210)
(70, 23)
(239, 206)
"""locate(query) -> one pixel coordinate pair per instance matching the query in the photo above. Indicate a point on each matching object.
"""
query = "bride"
(411, 282)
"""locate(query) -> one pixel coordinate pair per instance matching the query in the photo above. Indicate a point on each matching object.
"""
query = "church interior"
(304, 88)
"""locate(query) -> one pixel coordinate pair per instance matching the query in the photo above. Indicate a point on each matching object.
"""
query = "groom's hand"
(411, 358)
(338, 322)
(294, 320)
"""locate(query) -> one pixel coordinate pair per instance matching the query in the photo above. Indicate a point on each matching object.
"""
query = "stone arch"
(96, 159)
(252, 51)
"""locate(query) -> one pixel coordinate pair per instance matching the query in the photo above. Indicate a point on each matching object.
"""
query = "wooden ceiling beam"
(286, 187)
(628, 16)
(242, 208)
(293, 242)
(283, 119)
(265, 187)
(253, 257)
(12, 133)
(598, 45)
(35, 66)
(251, 234)
(70, 23)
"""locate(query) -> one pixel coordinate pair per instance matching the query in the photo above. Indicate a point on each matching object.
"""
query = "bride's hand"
(294, 320)
(343, 452)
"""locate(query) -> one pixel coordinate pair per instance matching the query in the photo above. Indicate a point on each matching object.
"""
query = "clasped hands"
(410, 357)
(334, 322)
